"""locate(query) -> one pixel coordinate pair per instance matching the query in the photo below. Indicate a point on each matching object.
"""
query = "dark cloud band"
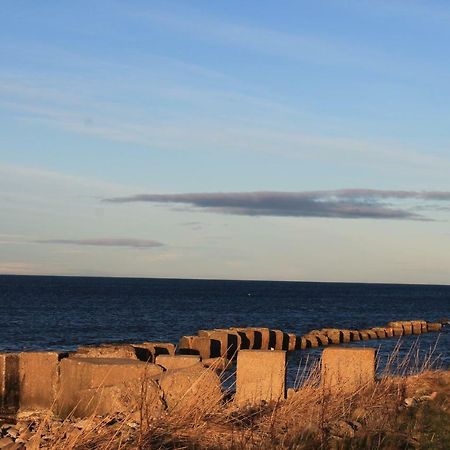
(133, 243)
(343, 203)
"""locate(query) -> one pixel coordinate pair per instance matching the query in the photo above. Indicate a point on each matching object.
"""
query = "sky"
(294, 140)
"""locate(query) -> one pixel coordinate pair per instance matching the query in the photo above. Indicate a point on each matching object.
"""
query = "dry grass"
(375, 417)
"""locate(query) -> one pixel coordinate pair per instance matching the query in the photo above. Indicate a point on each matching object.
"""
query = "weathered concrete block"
(434, 326)
(261, 376)
(9, 384)
(122, 351)
(311, 341)
(39, 380)
(83, 382)
(355, 336)
(177, 361)
(348, 369)
(279, 340)
(333, 334)
(407, 327)
(292, 342)
(323, 340)
(203, 346)
(346, 336)
(372, 334)
(193, 390)
(302, 343)
(218, 363)
(389, 332)
(157, 348)
(381, 332)
(416, 326)
(229, 340)
(364, 335)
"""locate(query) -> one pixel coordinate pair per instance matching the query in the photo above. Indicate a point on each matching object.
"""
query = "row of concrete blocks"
(100, 380)
(227, 342)
(80, 386)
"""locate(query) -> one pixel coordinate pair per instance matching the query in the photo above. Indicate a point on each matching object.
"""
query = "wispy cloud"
(104, 242)
(343, 203)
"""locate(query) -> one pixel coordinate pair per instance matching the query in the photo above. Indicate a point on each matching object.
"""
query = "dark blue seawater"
(40, 312)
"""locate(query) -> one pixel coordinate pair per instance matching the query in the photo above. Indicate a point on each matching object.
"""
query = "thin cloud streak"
(102, 242)
(343, 203)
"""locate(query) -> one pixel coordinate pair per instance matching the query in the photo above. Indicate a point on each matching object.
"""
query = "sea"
(61, 313)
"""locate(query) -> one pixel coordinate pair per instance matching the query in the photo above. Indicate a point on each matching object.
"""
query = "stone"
(39, 379)
(122, 351)
(416, 326)
(345, 370)
(192, 390)
(364, 335)
(346, 336)
(176, 361)
(323, 340)
(279, 340)
(372, 334)
(334, 335)
(100, 385)
(9, 383)
(381, 332)
(229, 341)
(355, 336)
(311, 341)
(292, 342)
(157, 348)
(218, 363)
(407, 327)
(260, 376)
(431, 326)
(389, 332)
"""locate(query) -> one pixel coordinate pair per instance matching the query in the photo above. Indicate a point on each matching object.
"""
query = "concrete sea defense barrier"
(110, 378)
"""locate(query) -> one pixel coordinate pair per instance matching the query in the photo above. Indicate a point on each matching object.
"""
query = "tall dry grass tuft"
(408, 407)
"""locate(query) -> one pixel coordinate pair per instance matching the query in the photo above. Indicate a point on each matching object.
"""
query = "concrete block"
(364, 335)
(302, 343)
(345, 370)
(122, 351)
(39, 380)
(9, 384)
(407, 327)
(261, 376)
(346, 336)
(177, 361)
(372, 334)
(355, 336)
(193, 389)
(434, 326)
(323, 340)
(292, 342)
(381, 332)
(279, 340)
(218, 364)
(311, 341)
(389, 332)
(203, 346)
(157, 348)
(84, 382)
(333, 334)
(416, 326)
(229, 341)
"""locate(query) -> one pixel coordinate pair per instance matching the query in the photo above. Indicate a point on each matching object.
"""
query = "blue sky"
(260, 139)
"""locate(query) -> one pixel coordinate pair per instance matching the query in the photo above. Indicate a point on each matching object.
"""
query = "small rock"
(409, 402)
(342, 429)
